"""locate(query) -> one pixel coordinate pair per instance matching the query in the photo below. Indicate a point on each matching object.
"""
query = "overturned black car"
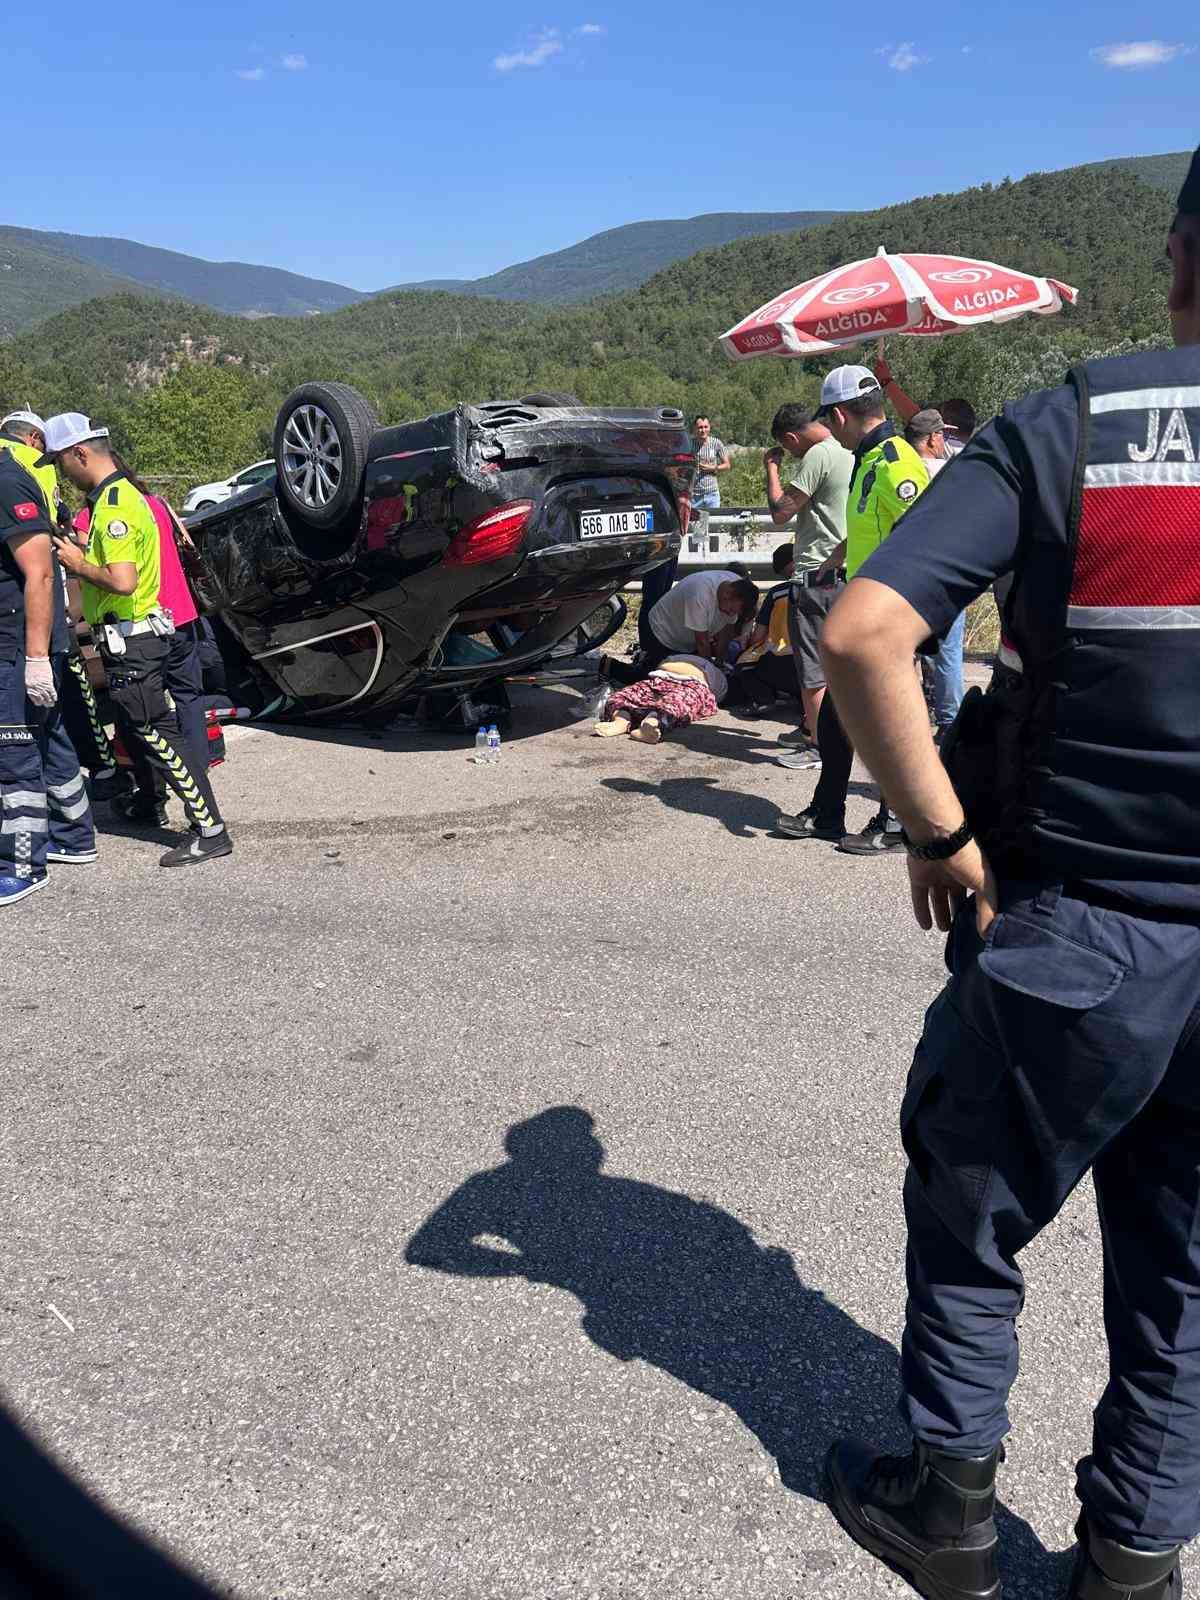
(385, 564)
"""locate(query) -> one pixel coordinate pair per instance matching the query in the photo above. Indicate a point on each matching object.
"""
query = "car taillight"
(490, 537)
(685, 513)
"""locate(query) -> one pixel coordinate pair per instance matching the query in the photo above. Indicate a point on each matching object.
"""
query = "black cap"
(1189, 195)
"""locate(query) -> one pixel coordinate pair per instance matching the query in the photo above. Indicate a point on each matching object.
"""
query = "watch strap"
(940, 849)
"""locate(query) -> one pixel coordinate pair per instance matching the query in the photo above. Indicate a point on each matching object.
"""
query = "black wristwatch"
(940, 849)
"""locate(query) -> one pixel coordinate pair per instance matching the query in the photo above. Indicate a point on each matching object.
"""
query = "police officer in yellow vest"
(888, 477)
(120, 580)
(23, 436)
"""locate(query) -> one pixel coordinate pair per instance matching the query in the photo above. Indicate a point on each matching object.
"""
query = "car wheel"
(322, 436)
(202, 505)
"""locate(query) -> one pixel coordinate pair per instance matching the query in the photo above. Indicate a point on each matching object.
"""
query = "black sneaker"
(140, 812)
(805, 826)
(875, 839)
(198, 848)
(928, 1515)
(1105, 1570)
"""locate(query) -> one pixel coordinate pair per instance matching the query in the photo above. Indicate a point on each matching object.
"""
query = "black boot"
(928, 1515)
(1105, 1570)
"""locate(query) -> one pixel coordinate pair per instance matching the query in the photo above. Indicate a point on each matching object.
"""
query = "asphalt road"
(485, 1184)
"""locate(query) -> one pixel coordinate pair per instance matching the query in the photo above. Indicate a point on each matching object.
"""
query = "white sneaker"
(72, 858)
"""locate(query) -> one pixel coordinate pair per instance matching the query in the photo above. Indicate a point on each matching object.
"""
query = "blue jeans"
(1066, 1042)
(948, 674)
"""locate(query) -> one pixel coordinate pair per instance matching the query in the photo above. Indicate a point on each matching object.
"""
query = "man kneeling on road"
(119, 576)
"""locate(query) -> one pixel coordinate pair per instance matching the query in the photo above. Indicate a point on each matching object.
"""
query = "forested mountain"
(622, 258)
(119, 264)
(36, 283)
(163, 371)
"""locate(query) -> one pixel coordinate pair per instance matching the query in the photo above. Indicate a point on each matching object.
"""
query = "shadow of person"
(741, 813)
(684, 1285)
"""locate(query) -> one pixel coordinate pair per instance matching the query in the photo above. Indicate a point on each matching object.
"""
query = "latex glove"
(39, 681)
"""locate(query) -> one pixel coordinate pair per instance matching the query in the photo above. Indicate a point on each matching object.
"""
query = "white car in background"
(212, 494)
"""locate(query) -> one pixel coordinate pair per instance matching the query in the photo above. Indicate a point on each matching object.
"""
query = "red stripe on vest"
(1139, 545)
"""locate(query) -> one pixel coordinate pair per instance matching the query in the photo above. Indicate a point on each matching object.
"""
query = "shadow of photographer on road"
(684, 1285)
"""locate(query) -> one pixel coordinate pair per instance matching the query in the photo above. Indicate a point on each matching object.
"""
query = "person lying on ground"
(681, 689)
(689, 619)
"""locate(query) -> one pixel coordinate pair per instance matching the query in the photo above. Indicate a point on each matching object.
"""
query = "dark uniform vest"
(1102, 769)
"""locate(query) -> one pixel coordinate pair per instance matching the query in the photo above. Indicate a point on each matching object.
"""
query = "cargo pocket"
(138, 692)
(1048, 963)
(952, 1114)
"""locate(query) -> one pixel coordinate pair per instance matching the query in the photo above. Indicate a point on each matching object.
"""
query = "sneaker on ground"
(874, 840)
(796, 739)
(198, 848)
(805, 826)
(132, 808)
(13, 889)
(72, 858)
(798, 760)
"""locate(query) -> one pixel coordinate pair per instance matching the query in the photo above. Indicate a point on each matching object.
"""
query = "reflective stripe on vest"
(1105, 610)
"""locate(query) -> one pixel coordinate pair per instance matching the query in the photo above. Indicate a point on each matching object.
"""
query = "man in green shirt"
(888, 476)
(816, 497)
(119, 578)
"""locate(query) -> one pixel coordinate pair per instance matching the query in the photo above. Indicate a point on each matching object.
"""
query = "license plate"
(612, 524)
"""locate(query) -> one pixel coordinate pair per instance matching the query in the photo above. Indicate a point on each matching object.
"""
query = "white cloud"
(251, 74)
(544, 47)
(590, 28)
(295, 63)
(904, 58)
(1139, 53)
(966, 49)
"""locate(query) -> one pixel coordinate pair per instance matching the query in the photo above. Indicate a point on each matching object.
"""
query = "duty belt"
(812, 579)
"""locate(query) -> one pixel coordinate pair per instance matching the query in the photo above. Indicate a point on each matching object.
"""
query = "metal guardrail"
(743, 533)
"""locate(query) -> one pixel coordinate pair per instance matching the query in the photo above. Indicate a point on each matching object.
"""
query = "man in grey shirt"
(711, 458)
(816, 497)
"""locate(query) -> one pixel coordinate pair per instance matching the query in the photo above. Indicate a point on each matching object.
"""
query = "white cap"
(847, 383)
(28, 419)
(67, 429)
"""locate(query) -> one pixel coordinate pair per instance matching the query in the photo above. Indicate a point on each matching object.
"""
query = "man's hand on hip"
(939, 888)
(39, 682)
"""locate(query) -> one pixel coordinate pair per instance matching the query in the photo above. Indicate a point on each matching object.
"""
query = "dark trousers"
(150, 726)
(81, 717)
(1069, 1041)
(656, 583)
(837, 760)
(653, 652)
(183, 677)
(43, 800)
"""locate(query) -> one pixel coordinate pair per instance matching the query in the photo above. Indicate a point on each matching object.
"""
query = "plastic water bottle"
(493, 743)
(482, 752)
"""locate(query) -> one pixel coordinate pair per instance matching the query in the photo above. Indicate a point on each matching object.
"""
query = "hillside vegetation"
(622, 258)
(162, 371)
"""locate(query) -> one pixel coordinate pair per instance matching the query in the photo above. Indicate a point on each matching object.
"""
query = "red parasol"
(912, 294)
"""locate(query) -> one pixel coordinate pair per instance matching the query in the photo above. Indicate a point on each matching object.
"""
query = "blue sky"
(375, 144)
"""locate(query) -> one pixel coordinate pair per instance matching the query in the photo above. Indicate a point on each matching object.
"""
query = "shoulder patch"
(114, 495)
(907, 490)
(890, 453)
(115, 529)
(26, 511)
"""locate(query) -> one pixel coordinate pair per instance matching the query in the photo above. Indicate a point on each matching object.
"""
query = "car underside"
(384, 564)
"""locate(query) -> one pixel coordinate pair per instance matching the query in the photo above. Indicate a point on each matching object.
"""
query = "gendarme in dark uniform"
(1068, 1038)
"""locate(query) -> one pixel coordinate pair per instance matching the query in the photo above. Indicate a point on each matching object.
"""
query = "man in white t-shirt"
(691, 616)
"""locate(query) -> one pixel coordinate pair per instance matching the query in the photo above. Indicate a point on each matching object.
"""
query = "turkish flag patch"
(26, 511)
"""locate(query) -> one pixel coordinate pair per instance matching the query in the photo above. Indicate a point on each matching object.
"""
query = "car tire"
(202, 505)
(322, 435)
